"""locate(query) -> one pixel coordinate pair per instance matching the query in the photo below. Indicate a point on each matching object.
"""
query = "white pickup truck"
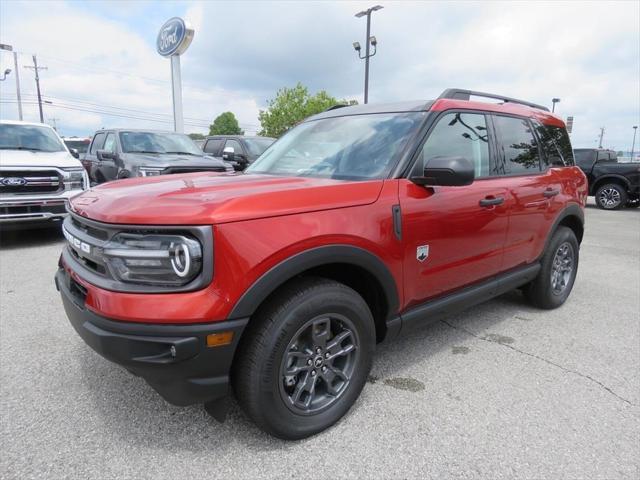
(38, 175)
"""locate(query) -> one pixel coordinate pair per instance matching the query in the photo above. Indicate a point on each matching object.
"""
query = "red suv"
(360, 223)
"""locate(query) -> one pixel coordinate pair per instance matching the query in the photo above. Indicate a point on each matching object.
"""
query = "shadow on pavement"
(34, 237)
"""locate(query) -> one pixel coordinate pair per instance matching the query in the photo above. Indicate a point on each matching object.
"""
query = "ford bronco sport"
(360, 223)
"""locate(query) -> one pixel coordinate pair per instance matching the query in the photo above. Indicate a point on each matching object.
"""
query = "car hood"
(27, 158)
(214, 198)
(150, 160)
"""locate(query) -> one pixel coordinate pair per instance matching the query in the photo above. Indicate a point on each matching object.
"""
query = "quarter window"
(459, 135)
(98, 142)
(518, 146)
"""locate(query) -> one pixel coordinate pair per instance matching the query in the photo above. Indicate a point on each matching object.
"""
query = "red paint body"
(259, 221)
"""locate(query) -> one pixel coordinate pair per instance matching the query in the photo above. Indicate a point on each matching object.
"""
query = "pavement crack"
(533, 355)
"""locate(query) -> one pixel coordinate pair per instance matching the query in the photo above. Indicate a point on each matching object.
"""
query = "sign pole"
(176, 86)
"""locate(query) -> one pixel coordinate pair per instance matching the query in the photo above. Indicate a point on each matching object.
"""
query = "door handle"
(549, 192)
(491, 201)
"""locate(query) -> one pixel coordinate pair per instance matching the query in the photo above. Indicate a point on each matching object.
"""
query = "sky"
(103, 69)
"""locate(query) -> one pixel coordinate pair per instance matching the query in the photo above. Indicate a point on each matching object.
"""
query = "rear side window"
(98, 142)
(213, 146)
(561, 139)
(518, 145)
(459, 135)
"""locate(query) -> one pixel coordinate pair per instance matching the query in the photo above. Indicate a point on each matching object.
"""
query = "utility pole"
(9, 48)
(370, 41)
(36, 68)
(601, 136)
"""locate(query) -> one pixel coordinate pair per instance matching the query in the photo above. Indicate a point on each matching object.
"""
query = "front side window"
(213, 146)
(29, 137)
(237, 148)
(110, 143)
(520, 153)
(159, 143)
(459, 135)
(356, 147)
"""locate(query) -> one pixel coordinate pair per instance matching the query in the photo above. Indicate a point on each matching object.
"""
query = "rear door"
(453, 236)
(534, 189)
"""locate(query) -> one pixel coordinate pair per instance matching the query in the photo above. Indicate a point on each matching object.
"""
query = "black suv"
(613, 184)
(124, 153)
(241, 151)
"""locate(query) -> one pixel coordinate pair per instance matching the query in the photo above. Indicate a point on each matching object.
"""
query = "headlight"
(166, 260)
(149, 171)
(76, 179)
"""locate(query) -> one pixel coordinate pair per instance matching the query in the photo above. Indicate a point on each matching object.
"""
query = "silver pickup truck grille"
(29, 182)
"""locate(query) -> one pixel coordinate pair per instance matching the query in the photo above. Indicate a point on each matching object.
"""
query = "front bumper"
(22, 209)
(173, 359)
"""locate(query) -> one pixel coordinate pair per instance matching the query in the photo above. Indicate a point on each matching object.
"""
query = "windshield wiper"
(25, 148)
(185, 153)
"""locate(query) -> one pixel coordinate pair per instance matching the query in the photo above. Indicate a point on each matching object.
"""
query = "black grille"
(14, 210)
(28, 182)
(94, 232)
(171, 170)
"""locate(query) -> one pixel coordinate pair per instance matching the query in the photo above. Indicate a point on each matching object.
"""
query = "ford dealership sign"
(174, 37)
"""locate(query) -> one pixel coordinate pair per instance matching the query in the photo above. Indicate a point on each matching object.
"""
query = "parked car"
(78, 146)
(38, 175)
(358, 224)
(614, 185)
(124, 153)
(240, 150)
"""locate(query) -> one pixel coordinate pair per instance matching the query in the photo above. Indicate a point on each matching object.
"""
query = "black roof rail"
(460, 94)
(335, 107)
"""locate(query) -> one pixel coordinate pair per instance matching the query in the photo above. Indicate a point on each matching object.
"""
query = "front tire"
(305, 358)
(611, 196)
(559, 267)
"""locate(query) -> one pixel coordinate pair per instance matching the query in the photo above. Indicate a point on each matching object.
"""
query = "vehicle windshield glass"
(357, 147)
(584, 158)
(257, 146)
(80, 145)
(156, 142)
(29, 137)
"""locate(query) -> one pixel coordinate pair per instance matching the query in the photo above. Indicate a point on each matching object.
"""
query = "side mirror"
(447, 172)
(105, 155)
(74, 153)
(229, 154)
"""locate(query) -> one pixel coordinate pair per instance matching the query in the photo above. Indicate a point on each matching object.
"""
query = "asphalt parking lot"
(500, 391)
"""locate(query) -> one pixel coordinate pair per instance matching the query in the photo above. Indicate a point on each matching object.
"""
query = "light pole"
(370, 41)
(554, 101)
(633, 145)
(9, 48)
(4, 75)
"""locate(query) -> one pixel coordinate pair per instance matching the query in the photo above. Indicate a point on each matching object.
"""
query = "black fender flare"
(315, 257)
(572, 210)
(609, 176)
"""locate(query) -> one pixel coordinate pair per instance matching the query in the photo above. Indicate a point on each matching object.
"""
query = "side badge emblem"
(422, 253)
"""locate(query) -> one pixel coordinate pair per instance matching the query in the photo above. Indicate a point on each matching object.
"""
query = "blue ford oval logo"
(13, 181)
(174, 37)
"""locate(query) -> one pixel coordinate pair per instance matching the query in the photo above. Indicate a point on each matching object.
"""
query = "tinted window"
(237, 148)
(110, 143)
(585, 158)
(98, 141)
(29, 137)
(80, 145)
(561, 139)
(603, 156)
(519, 148)
(257, 146)
(158, 142)
(555, 143)
(459, 135)
(213, 146)
(354, 147)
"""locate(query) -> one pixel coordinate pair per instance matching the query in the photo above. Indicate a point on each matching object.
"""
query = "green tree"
(225, 124)
(291, 106)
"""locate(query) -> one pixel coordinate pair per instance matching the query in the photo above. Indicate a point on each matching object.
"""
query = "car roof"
(395, 107)
(20, 122)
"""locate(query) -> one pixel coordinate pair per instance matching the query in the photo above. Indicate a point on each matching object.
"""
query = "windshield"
(257, 146)
(585, 158)
(80, 145)
(151, 142)
(354, 147)
(29, 137)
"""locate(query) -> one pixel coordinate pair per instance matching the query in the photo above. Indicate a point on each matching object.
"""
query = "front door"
(453, 236)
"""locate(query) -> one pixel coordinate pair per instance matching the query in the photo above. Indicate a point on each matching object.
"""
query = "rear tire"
(290, 376)
(559, 266)
(611, 196)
